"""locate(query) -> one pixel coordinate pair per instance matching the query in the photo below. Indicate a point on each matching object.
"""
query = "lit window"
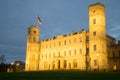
(75, 63)
(94, 33)
(95, 48)
(75, 51)
(87, 38)
(65, 64)
(80, 39)
(69, 65)
(53, 54)
(42, 56)
(74, 40)
(33, 56)
(94, 21)
(64, 42)
(49, 55)
(70, 52)
(34, 39)
(50, 45)
(54, 44)
(70, 41)
(34, 31)
(87, 51)
(95, 62)
(80, 51)
(59, 43)
(45, 55)
(58, 54)
(64, 53)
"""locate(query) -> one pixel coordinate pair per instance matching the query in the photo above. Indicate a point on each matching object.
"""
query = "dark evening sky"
(58, 17)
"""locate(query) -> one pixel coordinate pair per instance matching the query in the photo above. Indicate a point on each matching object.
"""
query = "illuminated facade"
(84, 50)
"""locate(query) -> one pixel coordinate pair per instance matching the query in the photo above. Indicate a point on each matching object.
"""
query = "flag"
(39, 20)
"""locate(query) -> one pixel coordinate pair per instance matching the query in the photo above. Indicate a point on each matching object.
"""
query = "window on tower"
(94, 47)
(34, 31)
(95, 62)
(94, 21)
(34, 39)
(94, 33)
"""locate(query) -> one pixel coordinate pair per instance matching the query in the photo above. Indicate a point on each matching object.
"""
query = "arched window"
(65, 64)
(53, 64)
(45, 65)
(74, 63)
(58, 64)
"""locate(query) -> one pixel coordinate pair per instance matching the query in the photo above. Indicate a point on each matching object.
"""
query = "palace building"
(84, 50)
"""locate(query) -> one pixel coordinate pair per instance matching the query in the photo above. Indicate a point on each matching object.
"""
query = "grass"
(60, 75)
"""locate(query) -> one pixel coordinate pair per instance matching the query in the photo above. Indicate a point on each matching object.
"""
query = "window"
(75, 52)
(94, 33)
(80, 51)
(59, 43)
(54, 44)
(34, 31)
(45, 64)
(64, 53)
(53, 54)
(70, 52)
(95, 62)
(58, 54)
(69, 65)
(75, 63)
(87, 38)
(74, 40)
(95, 48)
(65, 64)
(70, 41)
(49, 55)
(45, 55)
(33, 56)
(42, 56)
(64, 42)
(87, 51)
(34, 39)
(50, 45)
(80, 39)
(58, 64)
(113, 54)
(94, 21)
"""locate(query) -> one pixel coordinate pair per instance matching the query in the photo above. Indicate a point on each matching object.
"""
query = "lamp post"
(97, 61)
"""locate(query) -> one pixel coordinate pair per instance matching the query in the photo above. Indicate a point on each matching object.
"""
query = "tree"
(2, 58)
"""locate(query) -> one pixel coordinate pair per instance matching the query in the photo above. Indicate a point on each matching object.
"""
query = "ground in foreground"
(60, 75)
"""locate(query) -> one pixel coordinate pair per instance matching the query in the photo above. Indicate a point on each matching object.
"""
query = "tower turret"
(97, 37)
(32, 49)
(33, 34)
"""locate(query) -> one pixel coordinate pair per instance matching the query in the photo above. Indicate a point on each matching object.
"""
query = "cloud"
(114, 30)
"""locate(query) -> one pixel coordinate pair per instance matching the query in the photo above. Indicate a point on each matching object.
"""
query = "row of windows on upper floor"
(64, 43)
(64, 54)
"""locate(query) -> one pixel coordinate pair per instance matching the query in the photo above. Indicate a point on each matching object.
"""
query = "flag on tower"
(39, 20)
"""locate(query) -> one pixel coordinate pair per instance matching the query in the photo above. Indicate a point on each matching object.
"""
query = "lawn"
(60, 75)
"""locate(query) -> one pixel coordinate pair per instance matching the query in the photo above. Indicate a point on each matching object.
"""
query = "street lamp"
(97, 61)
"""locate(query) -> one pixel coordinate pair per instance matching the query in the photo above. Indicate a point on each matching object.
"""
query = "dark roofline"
(110, 37)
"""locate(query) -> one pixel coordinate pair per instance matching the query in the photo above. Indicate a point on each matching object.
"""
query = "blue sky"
(58, 17)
